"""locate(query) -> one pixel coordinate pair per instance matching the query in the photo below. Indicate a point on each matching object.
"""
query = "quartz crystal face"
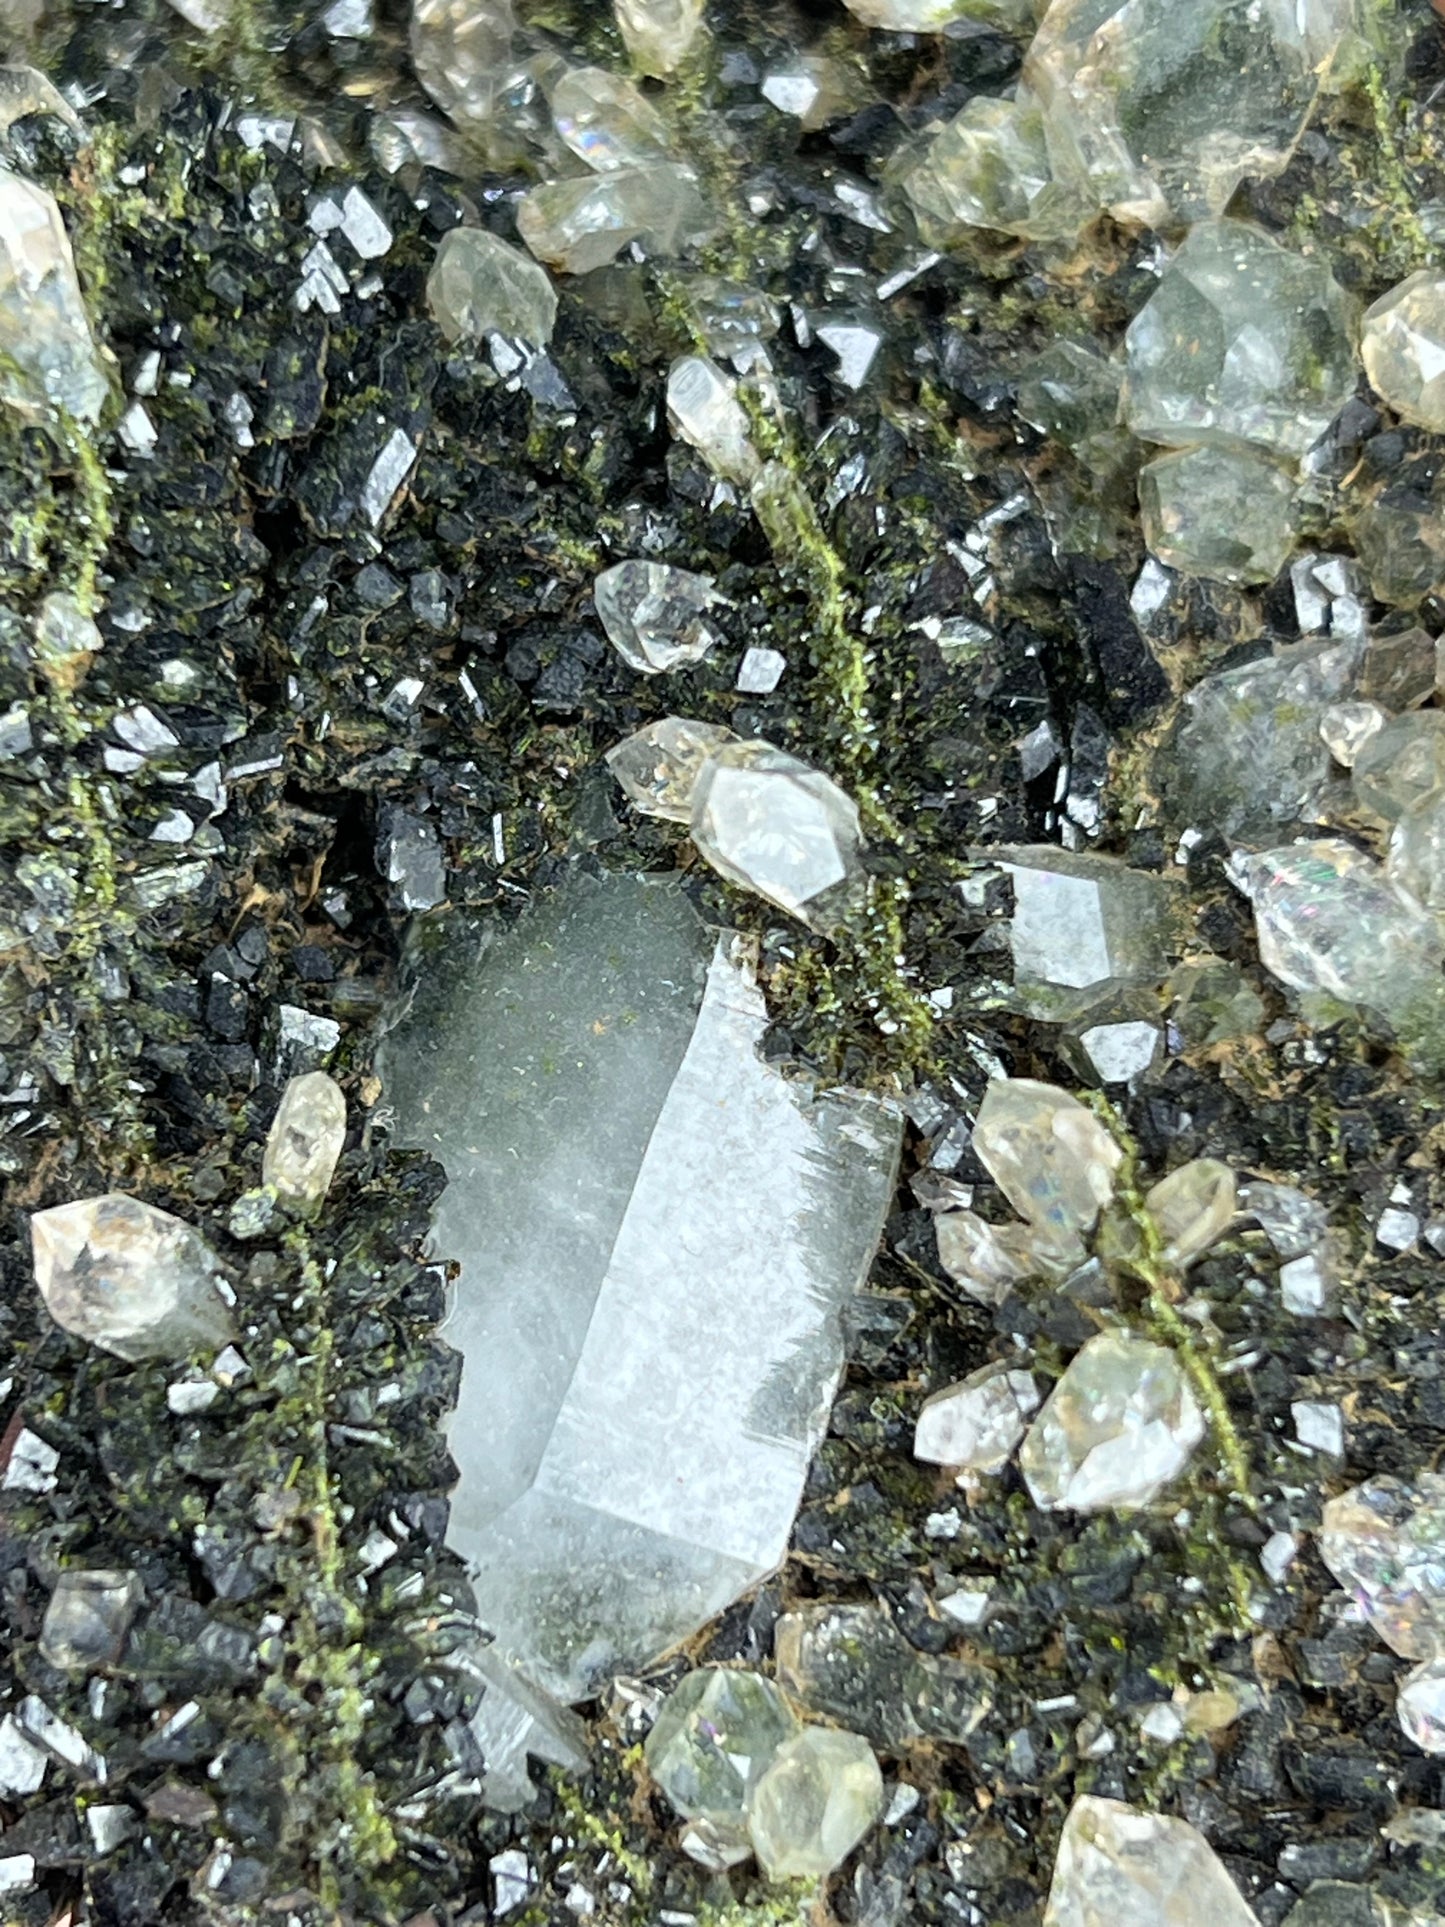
(1420, 1706)
(1402, 342)
(988, 1260)
(658, 767)
(976, 1425)
(1415, 860)
(1050, 1156)
(462, 50)
(988, 168)
(1082, 921)
(50, 355)
(1224, 513)
(480, 285)
(88, 1617)
(1119, 1426)
(1400, 765)
(716, 1734)
(704, 409)
(656, 616)
(1069, 391)
(659, 34)
(1120, 1867)
(1193, 1208)
(130, 1278)
(1384, 1541)
(771, 824)
(577, 225)
(1242, 342)
(1158, 111)
(821, 1794)
(305, 1140)
(854, 1665)
(607, 120)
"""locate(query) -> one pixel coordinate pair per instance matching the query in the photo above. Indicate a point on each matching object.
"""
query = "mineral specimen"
(853, 1664)
(655, 615)
(88, 1617)
(987, 168)
(624, 1170)
(1081, 922)
(578, 225)
(1117, 1428)
(130, 1278)
(658, 34)
(1224, 513)
(975, 1425)
(1402, 342)
(988, 1260)
(716, 1734)
(1120, 1867)
(658, 766)
(1415, 859)
(1385, 1543)
(821, 1794)
(305, 1140)
(1193, 1208)
(607, 120)
(772, 824)
(1242, 342)
(1420, 1706)
(1050, 1156)
(703, 407)
(50, 357)
(462, 50)
(1401, 764)
(480, 285)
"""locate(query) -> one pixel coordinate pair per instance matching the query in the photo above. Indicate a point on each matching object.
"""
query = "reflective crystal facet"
(1402, 343)
(1242, 341)
(88, 1617)
(1119, 1425)
(581, 224)
(480, 285)
(1345, 728)
(1081, 921)
(988, 1260)
(821, 1795)
(461, 50)
(1193, 1208)
(1224, 513)
(1415, 859)
(1120, 1867)
(976, 1425)
(658, 766)
(657, 1233)
(1071, 392)
(704, 409)
(658, 34)
(1420, 1706)
(129, 1278)
(49, 353)
(607, 120)
(655, 615)
(1050, 1156)
(988, 168)
(853, 1664)
(715, 1735)
(1384, 1541)
(1400, 764)
(305, 1140)
(770, 823)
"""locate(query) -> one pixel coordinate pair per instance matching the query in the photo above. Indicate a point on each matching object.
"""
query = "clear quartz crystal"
(305, 1140)
(480, 285)
(607, 120)
(655, 615)
(770, 823)
(130, 1278)
(1118, 1866)
(1081, 921)
(1345, 728)
(1049, 1155)
(1420, 1706)
(975, 1425)
(658, 34)
(1193, 1208)
(704, 409)
(988, 1260)
(577, 225)
(822, 1793)
(1384, 1541)
(1117, 1428)
(88, 1617)
(1227, 514)
(1415, 859)
(987, 167)
(715, 1735)
(462, 52)
(1400, 764)
(1402, 343)
(658, 766)
(50, 354)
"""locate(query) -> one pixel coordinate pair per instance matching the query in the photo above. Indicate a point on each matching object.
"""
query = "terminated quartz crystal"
(1193, 1208)
(770, 823)
(658, 767)
(657, 1233)
(656, 616)
(129, 1278)
(658, 34)
(607, 120)
(1402, 342)
(988, 168)
(821, 1795)
(988, 1260)
(462, 52)
(306, 1138)
(1117, 1428)
(577, 225)
(1119, 1867)
(1224, 513)
(1385, 1543)
(704, 409)
(854, 1665)
(976, 1425)
(1082, 922)
(50, 356)
(1050, 1156)
(88, 1617)
(715, 1736)
(1420, 1706)
(480, 285)
(1242, 341)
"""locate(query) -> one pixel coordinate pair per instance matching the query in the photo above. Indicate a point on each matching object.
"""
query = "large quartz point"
(657, 1233)
(1120, 1867)
(1385, 1543)
(1117, 1428)
(1157, 110)
(49, 355)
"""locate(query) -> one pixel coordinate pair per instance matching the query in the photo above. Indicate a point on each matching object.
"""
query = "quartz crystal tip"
(305, 1140)
(772, 824)
(1120, 1867)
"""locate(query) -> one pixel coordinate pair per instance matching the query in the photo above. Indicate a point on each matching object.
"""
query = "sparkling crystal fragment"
(988, 1260)
(819, 1797)
(480, 285)
(770, 823)
(658, 34)
(577, 225)
(1345, 728)
(130, 1278)
(1402, 343)
(703, 407)
(607, 120)
(305, 1140)
(1120, 1867)
(975, 1425)
(655, 615)
(1082, 920)
(1384, 1541)
(1221, 512)
(716, 1734)
(461, 50)
(1420, 1706)
(1193, 1208)
(658, 766)
(22, 1764)
(50, 355)
(88, 1617)
(853, 1664)
(988, 167)
(1117, 1428)
(1049, 1155)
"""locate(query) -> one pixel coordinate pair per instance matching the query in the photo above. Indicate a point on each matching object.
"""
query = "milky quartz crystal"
(1120, 1867)
(305, 1141)
(1402, 344)
(50, 355)
(480, 285)
(1117, 1428)
(657, 1234)
(659, 765)
(771, 823)
(976, 1424)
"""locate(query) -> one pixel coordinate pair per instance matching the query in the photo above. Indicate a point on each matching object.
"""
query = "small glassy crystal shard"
(1400, 764)
(1050, 1156)
(716, 1734)
(1242, 341)
(88, 1617)
(1116, 1038)
(988, 168)
(1193, 1208)
(51, 359)
(480, 285)
(655, 615)
(733, 316)
(988, 1260)
(1120, 1867)
(462, 53)
(577, 225)
(704, 409)
(1293, 1222)
(1420, 1706)
(821, 1795)
(129, 1278)
(716, 1841)
(1415, 860)
(515, 1722)
(770, 823)
(658, 34)
(1117, 1428)
(607, 120)
(1345, 728)
(854, 1665)
(1402, 343)
(975, 1425)
(813, 88)
(1224, 513)
(306, 1138)
(1082, 921)
(658, 766)
(1384, 1541)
